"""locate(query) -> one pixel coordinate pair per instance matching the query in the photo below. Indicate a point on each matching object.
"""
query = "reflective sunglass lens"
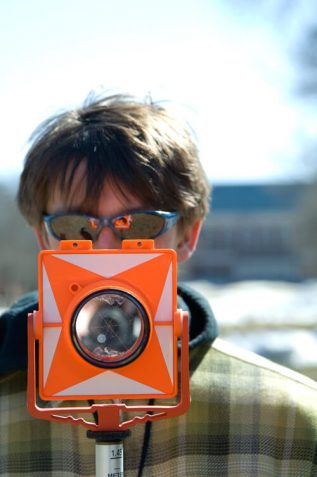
(140, 225)
(74, 227)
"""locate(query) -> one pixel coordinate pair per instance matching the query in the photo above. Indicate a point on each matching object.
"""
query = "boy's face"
(111, 203)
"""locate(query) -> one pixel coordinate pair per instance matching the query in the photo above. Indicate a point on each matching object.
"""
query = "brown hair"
(137, 145)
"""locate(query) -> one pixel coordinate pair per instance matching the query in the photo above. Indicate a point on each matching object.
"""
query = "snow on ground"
(275, 319)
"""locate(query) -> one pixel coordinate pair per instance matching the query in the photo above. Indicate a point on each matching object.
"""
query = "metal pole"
(109, 459)
(109, 453)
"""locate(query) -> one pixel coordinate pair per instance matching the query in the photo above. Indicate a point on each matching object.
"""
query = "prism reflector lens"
(110, 328)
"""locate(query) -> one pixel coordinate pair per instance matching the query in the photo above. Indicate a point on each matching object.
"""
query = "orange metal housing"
(66, 278)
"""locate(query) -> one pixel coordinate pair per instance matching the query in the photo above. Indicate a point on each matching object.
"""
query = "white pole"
(109, 459)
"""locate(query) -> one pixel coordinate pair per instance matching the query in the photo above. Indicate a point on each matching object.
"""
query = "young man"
(87, 170)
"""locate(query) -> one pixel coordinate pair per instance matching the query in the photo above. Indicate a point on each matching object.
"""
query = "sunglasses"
(140, 224)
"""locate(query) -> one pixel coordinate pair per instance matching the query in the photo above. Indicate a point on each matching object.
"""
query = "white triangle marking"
(165, 337)
(107, 264)
(164, 310)
(50, 310)
(106, 384)
(50, 340)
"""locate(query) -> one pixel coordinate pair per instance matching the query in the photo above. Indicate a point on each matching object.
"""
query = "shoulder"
(242, 362)
(240, 367)
(240, 379)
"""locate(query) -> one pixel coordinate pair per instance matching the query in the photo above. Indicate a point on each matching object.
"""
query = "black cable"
(146, 440)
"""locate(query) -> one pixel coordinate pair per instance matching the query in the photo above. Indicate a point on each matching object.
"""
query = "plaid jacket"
(248, 417)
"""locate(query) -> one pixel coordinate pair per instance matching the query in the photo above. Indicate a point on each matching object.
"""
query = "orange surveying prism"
(108, 331)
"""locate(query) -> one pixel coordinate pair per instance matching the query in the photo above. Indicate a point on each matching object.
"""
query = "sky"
(225, 71)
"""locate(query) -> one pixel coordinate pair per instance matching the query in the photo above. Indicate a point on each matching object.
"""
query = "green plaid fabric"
(248, 418)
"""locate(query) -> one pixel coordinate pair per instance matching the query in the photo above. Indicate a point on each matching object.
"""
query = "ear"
(188, 241)
(40, 237)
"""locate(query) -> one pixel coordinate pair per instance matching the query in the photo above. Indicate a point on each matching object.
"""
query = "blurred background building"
(250, 233)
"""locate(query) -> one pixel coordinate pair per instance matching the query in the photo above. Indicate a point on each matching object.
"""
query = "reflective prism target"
(106, 323)
(110, 328)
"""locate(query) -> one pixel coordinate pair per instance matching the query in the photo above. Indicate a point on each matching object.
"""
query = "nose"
(107, 239)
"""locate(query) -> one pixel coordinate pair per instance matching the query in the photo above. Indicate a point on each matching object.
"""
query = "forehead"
(74, 196)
